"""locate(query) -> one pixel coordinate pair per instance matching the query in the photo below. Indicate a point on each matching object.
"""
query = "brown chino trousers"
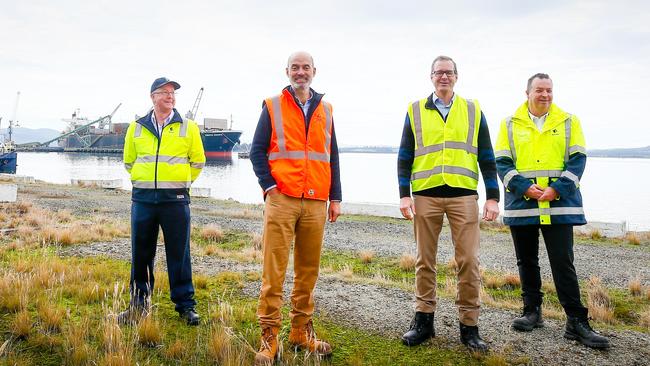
(285, 219)
(462, 213)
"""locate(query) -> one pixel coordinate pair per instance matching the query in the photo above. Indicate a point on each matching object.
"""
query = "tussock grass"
(176, 350)
(635, 287)
(77, 349)
(35, 226)
(51, 317)
(366, 256)
(257, 241)
(599, 302)
(633, 238)
(595, 234)
(149, 331)
(21, 325)
(452, 265)
(212, 233)
(407, 262)
(644, 318)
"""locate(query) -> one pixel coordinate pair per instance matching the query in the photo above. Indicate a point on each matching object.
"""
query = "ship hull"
(218, 145)
(8, 162)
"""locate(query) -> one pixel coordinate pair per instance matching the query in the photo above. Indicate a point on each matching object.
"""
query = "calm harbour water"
(613, 189)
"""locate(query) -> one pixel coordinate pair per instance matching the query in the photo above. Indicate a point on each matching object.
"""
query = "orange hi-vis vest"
(300, 159)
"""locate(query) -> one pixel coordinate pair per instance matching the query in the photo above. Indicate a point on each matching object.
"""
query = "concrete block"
(100, 183)
(199, 192)
(8, 192)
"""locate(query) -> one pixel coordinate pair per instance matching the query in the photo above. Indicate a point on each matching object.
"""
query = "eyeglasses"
(165, 93)
(439, 73)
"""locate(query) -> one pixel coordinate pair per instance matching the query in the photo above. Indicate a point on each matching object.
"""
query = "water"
(613, 189)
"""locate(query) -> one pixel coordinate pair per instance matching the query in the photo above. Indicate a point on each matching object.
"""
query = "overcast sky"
(372, 59)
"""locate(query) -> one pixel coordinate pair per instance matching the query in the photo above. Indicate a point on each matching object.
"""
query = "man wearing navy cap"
(164, 154)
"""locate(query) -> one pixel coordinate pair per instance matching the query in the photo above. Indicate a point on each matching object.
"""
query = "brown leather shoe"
(304, 337)
(268, 347)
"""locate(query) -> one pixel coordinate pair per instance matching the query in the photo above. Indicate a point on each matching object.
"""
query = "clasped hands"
(541, 194)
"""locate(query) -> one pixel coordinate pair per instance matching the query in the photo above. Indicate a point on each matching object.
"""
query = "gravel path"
(615, 265)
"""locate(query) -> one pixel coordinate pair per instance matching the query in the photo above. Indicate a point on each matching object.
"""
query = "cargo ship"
(103, 136)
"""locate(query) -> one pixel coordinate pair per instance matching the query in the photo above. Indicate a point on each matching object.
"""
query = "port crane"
(191, 114)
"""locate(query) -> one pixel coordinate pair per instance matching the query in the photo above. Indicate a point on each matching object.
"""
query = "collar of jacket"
(431, 105)
(146, 121)
(555, 116)
(315, 97)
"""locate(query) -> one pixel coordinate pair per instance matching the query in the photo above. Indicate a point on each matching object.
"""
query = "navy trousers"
(174, 219)
(559, 246)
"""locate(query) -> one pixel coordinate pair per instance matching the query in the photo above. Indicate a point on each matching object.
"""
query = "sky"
(372, 59)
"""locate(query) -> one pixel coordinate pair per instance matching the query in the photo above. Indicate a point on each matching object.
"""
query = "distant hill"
(638, 152)
(22, 135)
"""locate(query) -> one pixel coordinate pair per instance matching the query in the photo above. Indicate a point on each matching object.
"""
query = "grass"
(88, 333)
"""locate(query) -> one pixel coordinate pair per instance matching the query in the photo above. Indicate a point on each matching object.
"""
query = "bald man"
(295, 157)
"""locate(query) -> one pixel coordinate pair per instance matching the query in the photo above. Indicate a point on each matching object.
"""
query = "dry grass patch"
(21, 325)
(366, 256)
(635, 287)
(595, 234)
(512, 280)
(257, 241)
(644, 318)
(176, 350)
(149, 331)
(212, 233)
(200, 281)
(407, 262)
(51, 317)
(599, 302)
(346, 271)
(632, 238)
(77, 350)
(220, 346)
(452, 265)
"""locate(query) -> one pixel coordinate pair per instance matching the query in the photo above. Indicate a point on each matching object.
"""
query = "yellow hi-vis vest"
(541, 156)
(445, 152)
(172, 162)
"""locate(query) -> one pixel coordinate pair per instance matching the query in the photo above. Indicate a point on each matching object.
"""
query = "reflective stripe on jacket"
(162, 169)
(555, 157)
(300, 159)
(445, 151)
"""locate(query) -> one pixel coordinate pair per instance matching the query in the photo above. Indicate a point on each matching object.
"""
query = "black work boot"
(190, 316)
(420, 330)
(579, 329)
(470, 338)
(530, 319)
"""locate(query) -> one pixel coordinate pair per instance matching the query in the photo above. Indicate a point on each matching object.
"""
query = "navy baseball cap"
(163, 81)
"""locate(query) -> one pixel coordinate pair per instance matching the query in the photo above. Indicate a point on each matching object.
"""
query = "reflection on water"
(368, 178)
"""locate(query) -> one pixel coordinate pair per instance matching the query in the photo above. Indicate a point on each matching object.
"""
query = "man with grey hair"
(445, 141)
(164, 154)
(295, 158)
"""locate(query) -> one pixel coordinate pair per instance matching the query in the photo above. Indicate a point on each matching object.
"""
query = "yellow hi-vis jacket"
(163, 168)
(445, 151)
(555, 157)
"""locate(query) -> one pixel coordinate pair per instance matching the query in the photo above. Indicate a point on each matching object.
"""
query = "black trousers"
(559, 245)
(174, 219)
